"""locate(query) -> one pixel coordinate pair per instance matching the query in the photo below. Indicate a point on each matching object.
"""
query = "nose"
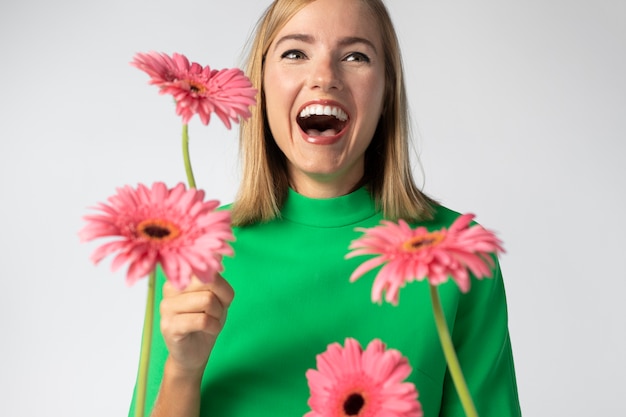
(325, 75)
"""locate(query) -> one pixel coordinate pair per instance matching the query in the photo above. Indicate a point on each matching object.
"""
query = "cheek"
(372, 99)
(273, 104)
(275, 89)
(379, 98)
(369, 92)
(281, 90)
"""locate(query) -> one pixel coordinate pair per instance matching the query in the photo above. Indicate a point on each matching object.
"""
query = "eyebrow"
(349, 40)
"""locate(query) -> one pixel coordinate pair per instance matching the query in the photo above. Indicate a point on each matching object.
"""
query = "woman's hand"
(191, 320)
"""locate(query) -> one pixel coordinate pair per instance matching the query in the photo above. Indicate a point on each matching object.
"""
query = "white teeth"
(319, 110)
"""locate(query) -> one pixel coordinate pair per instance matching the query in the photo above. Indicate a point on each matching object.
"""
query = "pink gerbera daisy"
(352, 382)
(199, 90)
(173, 227)
(415, 254)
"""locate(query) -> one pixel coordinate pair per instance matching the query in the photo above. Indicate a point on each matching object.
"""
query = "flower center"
(423, 241)
(158, 229)
(196, 87)
(353, 404)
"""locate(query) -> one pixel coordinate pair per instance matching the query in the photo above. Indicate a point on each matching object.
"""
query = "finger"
(219, 286)
(206, 302)
(225, 293)
(181, 325)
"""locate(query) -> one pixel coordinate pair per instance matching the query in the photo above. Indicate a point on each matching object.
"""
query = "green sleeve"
(481, 338)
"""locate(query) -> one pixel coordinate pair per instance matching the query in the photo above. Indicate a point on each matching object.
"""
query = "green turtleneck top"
(293, 298)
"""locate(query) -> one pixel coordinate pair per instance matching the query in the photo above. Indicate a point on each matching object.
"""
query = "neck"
(321, 189)
(325, 186)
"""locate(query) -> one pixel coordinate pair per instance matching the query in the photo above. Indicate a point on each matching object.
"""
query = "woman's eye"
(293, 54)
(357, 57)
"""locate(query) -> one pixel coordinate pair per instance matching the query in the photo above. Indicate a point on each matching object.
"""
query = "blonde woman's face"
(324, 83)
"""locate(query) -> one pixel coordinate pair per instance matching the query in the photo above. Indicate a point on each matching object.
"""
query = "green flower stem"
(450, 354)
(188, 170)
(146, 341)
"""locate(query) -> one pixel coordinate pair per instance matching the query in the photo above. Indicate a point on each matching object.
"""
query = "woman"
(325, 151)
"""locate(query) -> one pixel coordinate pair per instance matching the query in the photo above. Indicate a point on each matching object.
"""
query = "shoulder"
(442, 217)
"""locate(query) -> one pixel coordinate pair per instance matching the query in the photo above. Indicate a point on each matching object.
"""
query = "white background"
(519, 110)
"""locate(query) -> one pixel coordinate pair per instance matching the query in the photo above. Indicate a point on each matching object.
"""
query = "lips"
(322, 122)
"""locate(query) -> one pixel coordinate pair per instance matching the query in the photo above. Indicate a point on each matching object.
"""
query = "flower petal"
(195, 243)
(377, 372)
(408, 254)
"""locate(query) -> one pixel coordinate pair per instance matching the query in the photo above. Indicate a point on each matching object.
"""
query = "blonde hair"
(388, 175)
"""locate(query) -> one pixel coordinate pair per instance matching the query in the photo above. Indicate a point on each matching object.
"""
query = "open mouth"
(321, 120)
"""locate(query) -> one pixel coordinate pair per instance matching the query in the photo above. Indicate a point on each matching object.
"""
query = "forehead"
(325, 20)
